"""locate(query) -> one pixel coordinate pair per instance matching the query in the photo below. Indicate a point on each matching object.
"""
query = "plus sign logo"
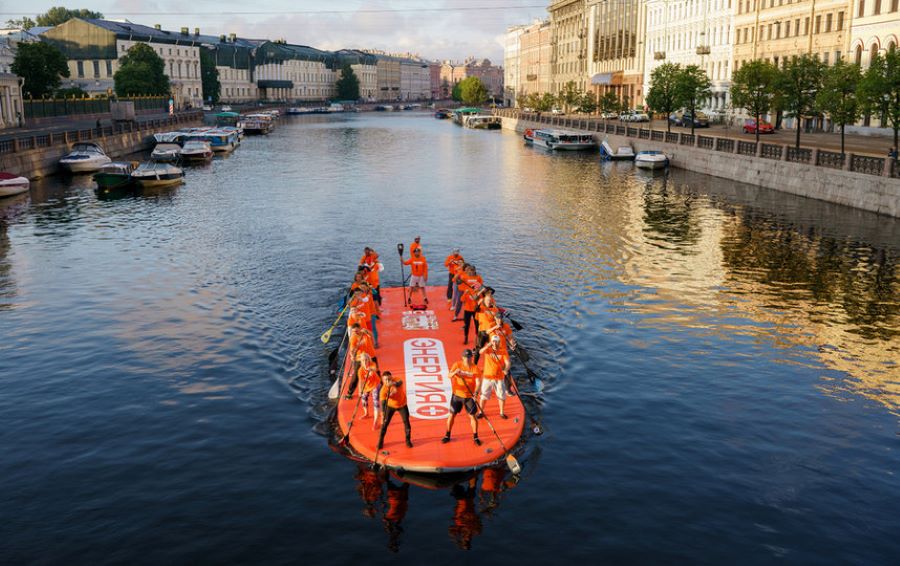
(433, 411)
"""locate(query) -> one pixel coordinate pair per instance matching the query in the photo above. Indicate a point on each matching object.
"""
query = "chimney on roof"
(196, 31)
(157, 27)
(232, 37)
(184, 31)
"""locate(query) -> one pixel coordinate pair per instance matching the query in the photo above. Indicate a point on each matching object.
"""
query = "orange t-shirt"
(373, 278)
(369, 259)
(395, 396)
(418, 266)
(451, 263)
(362, 343)
(495, 364)
(485, 319)
(368, 378)
(465, 381)
(469, 286)
(360, 317)
(366, 304)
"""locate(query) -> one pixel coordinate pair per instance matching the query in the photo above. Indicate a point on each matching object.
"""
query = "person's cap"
(418, 238)
(495, 339)
(456, 250)
(467, 353)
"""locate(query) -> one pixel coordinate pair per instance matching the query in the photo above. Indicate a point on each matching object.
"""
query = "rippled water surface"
(720, 363)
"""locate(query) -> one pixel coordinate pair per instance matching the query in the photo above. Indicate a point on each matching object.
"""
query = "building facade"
(692, 32)
(415, 79)
(875, 27)
(568, 24)
(535, 59)
(288, 72)
(365, 69)
(511, 57)
(616, 31)
(234, 59)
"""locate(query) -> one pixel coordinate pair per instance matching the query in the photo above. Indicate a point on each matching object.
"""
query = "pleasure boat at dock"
(115, 175)
(651, 160)
(623, 153)
(483, 122)
(563, 140)
(166, 152)
(85, 157)
(196, 150)
(11, 184)
(257, 124)
(151, 174)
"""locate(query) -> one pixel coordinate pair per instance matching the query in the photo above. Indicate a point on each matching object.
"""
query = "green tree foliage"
(879, 89)
(546, 102)
(25, 23)
(799, 80)
(837, 96)
(692, 87)
(753, 88)
(209, 76)
(663, 96)
(472, 91)
(347, 86)
(41, 65)
(141, 73)
(60, 15)
(456, 93)
(71, 92)
(588, 103)
(569, 96)
(609, 102)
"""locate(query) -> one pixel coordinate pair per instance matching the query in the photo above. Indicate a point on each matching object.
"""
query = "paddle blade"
(513, 464)
(327, 335)
(516, 325)
(335, 389)
(523, 353)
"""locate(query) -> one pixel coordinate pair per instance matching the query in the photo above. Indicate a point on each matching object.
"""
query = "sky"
(434, 29)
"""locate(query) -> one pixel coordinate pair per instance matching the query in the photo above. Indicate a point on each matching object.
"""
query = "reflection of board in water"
(419, 320)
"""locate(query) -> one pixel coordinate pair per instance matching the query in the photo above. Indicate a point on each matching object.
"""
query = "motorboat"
(260, 124)
(299, 110)
(196, 150)
(528, 136)
(651, 160)
(483, 122)
(11, 184)
(442, 114)
(85, 157)
(115, 175)
(152, 174)
(166, 152)
(622, 153)
(460, 114)
(563, 140)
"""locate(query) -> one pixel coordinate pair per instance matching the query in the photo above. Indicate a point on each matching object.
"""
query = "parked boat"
(115, 175)
(13, 184)
(196, 150)
(166, 152)
(151, 174)
(259, 124)
(623, 153)
(221, 140)
(227, 119)
(528, 136)
(460, 114)
(563, 140)
(442, 114)
(483, 122)
(651, 160)
(85, 157)
(299, 110)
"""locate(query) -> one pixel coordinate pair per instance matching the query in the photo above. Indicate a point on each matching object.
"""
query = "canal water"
(720, 363)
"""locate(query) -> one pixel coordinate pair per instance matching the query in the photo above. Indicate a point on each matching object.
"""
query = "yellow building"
(616, 31)
(874, 29)
(568, 24)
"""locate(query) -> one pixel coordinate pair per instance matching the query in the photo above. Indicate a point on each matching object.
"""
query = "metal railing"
(830, 159)
(801, 155)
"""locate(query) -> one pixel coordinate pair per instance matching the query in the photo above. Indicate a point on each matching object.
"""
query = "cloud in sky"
(461, 27)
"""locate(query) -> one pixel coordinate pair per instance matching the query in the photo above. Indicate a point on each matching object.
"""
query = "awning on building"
(272, 83)
(602, 79)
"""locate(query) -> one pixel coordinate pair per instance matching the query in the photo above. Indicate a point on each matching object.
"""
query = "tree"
(753, 88)
(569, 96)
(472, 91)
(799, 79)
(663, 96)
(545, 102)
(60, 15)
(837, 96)
(625, 103)
(588, 103)
(609, 102)
(347, 86)
(692, 87)
(41, 65)
(141, 73)
(456, 93)
(25, 23)
(209, 76)
(880, 89)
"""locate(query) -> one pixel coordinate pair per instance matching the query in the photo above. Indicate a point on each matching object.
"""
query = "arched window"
(859, 55)
(873, 51)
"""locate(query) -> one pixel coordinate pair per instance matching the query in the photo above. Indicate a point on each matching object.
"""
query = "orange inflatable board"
(419, 347)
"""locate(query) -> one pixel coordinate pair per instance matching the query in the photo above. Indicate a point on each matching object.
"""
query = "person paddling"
(496, 366)
(470, 287)
(360, 346)
(393, 400)
(452, 263)
(464, 376)
(365, 302)
(418, 267)
(369, 386)
(416, 245)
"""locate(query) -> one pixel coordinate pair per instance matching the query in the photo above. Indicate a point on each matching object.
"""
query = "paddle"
(511, 461)
(402, 275)
(352, 418)
(535, 379)
(535, 426)
(335, 389)
(326, 336)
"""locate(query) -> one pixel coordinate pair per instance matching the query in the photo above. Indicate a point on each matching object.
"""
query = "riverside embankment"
(38, 155)
(861, 181)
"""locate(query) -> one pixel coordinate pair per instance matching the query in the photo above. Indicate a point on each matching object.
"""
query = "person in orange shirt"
(452, 264)
(416, 245)
(464, 380)
(360, 345)
(496, 366)
(372, 277)
(369, 385)
(470, 289)
(502, 329)
(484, 318)
(365, 302)
(369, 258)
(357, 316)
(393, 400)
(418, 267)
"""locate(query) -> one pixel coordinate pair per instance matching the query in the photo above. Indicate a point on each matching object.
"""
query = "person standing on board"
(365, 302)
(369, 385)
(416, 245)
(484, 319)
(469, 288)
(369, 258)
(393, 400)
(360, 346)
(373, 279)
(464, 379)
(418, 267)
(451, 263)
(496, 366)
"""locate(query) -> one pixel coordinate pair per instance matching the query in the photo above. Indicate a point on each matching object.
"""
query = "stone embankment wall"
(864, 182)
(38, 155)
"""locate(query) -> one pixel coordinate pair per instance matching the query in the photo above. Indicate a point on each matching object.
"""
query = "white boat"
(651, 160)
(257, 123)
(563, 140)
(12, 185)
(196, 150)
(299, 110)
(152, 174)
(166, 152)
(85, 157)
(483, 122)
(623, 153)
(528, 136)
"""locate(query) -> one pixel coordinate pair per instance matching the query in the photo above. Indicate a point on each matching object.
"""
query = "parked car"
(226, 108)
(207, 108)
(555, 110)
(634, 116)
(750, 127)
(686, 119)
(609, 116)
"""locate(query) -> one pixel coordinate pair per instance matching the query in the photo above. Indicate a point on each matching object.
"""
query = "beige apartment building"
(568, 25)
(875, 27)
(535, 59)
(615, 50)
(773, 30)
(511, 58)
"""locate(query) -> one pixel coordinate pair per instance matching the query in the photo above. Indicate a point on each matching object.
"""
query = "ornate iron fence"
(746, 148)
(705, 142)
(725, 144)
(802, 155)
(771, 151)
(868, 165)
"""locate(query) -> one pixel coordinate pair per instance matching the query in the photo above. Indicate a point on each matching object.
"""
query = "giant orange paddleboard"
(419, 347)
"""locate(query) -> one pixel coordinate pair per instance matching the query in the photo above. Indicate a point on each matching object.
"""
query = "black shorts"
(457, 403)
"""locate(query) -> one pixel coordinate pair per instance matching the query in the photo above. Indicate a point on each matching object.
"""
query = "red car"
(764, 127)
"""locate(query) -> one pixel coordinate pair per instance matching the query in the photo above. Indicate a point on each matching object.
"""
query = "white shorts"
(498, 386)
(416, 281)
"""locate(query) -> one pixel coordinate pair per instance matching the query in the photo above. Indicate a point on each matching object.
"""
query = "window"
(806, 26)
(894, 5)
(862, 9)
(109, 72)
(828, 23)
(818, 23)
(877, 8)
(80, 65)
(797, 26)
(837, 56)
(840, 21)
(96, 69)
(825, 58)
(859, 54)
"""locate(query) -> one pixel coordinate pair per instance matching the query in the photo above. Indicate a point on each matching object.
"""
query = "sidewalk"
(65, 123)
